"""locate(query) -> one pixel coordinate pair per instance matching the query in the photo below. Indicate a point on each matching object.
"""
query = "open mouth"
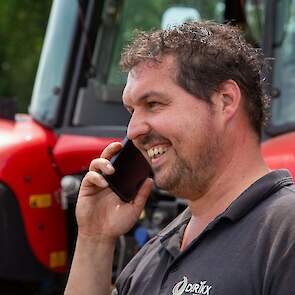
(156, 151)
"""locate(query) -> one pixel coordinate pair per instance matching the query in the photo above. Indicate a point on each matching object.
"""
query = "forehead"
(164, 66)
(150, 76)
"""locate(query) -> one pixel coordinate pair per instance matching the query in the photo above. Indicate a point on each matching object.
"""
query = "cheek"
(184, 136)
(195, 135)
(164, 124)
(177, 127)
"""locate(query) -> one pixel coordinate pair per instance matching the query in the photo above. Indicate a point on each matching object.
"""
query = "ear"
(227, 99)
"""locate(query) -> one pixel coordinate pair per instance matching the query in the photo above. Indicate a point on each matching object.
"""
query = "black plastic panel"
(17, 261)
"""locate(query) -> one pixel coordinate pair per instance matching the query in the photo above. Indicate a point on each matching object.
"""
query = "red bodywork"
(32, 161)
(279, 152)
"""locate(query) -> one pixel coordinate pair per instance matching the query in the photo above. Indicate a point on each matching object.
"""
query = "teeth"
(150, 153)
(156, 151)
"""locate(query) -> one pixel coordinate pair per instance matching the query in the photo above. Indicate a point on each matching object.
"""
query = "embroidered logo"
(184, 287)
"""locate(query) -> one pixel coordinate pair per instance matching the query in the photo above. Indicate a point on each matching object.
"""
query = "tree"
(22, 28)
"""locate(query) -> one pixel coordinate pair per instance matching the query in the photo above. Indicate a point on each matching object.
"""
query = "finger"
(101, 165)
(111, 150)
(143, 194)
(94, 178)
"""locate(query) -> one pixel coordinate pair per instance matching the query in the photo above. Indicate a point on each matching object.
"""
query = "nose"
(137, 126)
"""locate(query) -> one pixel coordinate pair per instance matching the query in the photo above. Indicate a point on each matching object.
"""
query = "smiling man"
(156, 103)
(197, 106)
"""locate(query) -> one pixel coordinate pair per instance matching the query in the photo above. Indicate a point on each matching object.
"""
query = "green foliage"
(22, 28)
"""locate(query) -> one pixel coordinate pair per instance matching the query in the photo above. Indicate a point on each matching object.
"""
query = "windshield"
(153, 14)
(283, 106)
(53, 60)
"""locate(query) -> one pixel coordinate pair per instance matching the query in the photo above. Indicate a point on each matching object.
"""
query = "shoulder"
(281, 204)
(277, 241)
(275, 218)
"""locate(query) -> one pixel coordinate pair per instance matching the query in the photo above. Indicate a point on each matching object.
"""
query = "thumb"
(142, 195)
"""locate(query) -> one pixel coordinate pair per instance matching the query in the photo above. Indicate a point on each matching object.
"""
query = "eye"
(153, 104)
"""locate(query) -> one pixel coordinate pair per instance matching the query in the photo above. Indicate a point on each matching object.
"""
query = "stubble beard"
(185, 177)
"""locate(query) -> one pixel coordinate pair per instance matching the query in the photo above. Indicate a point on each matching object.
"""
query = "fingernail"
(110, 168)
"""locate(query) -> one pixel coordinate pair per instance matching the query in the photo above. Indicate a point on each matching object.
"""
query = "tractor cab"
(79, 84)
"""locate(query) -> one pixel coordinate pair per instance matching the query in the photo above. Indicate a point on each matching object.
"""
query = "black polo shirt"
(248, 249)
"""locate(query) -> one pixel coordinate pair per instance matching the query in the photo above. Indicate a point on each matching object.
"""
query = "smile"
(156, 151)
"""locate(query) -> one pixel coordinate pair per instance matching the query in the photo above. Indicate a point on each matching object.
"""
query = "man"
(197, 104)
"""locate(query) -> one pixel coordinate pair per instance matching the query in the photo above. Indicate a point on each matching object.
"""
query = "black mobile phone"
(131, 170)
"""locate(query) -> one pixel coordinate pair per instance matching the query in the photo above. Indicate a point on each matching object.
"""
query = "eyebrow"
(146, 96)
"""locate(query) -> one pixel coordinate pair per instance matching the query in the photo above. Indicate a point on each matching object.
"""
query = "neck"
(236, 173)
(236, 177)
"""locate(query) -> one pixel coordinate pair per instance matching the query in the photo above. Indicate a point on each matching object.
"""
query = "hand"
(99, 211)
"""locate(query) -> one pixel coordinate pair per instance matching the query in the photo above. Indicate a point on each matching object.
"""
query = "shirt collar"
(250, 198)
(256, 193)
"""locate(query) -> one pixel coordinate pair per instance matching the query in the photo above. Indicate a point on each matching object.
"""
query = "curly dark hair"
(207, 54)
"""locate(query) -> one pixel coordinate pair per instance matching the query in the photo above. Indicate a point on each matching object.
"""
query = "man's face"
(176, 131)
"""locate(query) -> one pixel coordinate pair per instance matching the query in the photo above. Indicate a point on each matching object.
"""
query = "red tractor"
(76, 111)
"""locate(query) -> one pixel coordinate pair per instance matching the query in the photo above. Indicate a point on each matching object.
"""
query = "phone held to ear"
(131, 170)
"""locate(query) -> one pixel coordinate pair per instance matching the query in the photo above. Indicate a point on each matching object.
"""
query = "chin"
(167, 186)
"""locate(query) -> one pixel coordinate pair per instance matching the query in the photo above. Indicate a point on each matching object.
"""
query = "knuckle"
(92, 163)
(89, 176)
(97, 164)
(94, 178)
